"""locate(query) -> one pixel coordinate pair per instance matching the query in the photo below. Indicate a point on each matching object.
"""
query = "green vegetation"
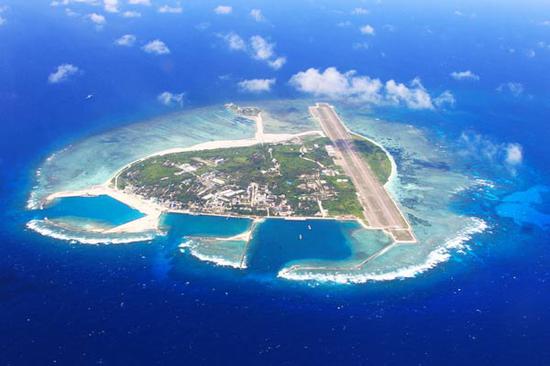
(376, 158)
(288, 179)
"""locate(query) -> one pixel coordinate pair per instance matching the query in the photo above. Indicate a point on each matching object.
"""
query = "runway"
(379, 208)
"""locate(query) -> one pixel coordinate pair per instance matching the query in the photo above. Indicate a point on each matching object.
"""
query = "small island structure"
(340, 176)
(330, 173)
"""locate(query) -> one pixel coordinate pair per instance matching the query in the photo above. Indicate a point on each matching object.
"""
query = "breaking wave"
(50, 229)
(191, 247)
(437, 256)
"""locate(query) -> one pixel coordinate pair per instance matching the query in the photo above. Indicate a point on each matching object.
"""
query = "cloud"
(157, 47)
(139, 2)
(71, 13)
(514, 154)
(131, 14)
(68, 2)
(475, 146)
(360, 11)
(258, 48)
(336, 85)
(257, 15)
(97, 18)
(223, 9)
(414, 97)
(62, 73)
(256, 85)
(168, 98)
(126, 40)
(263, 50)
(516, 89)
(235, 42)
(111, 6)
(464, 75)
(203, 26)
(2, 20)
(445, 99)
(277, 63)
(352, 87)
(367, 29)
(343, 24)
(170, 9)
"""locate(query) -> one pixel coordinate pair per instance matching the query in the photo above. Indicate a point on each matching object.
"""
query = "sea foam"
(191, 247)
(47, 228)
(437, 256)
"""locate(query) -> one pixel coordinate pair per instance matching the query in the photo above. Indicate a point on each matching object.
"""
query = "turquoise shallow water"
(103, 209)
(429, 176)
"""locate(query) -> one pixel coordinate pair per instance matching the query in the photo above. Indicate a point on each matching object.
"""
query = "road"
(379, 208)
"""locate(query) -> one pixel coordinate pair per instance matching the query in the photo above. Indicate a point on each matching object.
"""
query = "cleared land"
(379, 208)
(299, 178)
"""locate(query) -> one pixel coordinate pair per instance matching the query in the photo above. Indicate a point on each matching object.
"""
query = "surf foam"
(437, 256)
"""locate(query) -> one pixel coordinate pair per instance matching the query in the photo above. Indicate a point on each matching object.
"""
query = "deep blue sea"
(144, 303)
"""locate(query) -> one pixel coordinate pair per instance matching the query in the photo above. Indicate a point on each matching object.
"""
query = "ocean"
(482, 299)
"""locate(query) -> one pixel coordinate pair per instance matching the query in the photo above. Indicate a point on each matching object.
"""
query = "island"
(340, 176)
(327, 173)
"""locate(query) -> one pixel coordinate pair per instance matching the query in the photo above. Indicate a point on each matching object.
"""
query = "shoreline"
(153, 211)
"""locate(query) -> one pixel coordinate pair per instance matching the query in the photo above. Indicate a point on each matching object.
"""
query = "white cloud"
(111, 6)
(464, 75)
(256, 85)
(530, 53)
(131, 14)
(514, 154)
(157, 47)
(71, 13)
(235, 42)
(336, 85)
(507, 155)
(97, 18)
(277, 63)
(516, 89)
(367, 29)
(139, 2)
(223, 9)
(360, 11)
(258, 48)
(257, 15)
(343, 24)
(414, 97)
(545, 23)
(445, 99)
(170, 9)
(126, 40)
(352, 87)
(68, 2)
(168, 98)
(2, 20)
(62, 73)
(263, 50)
(203, 26)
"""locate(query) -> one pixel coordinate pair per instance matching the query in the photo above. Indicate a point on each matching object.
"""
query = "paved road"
(380, 209)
